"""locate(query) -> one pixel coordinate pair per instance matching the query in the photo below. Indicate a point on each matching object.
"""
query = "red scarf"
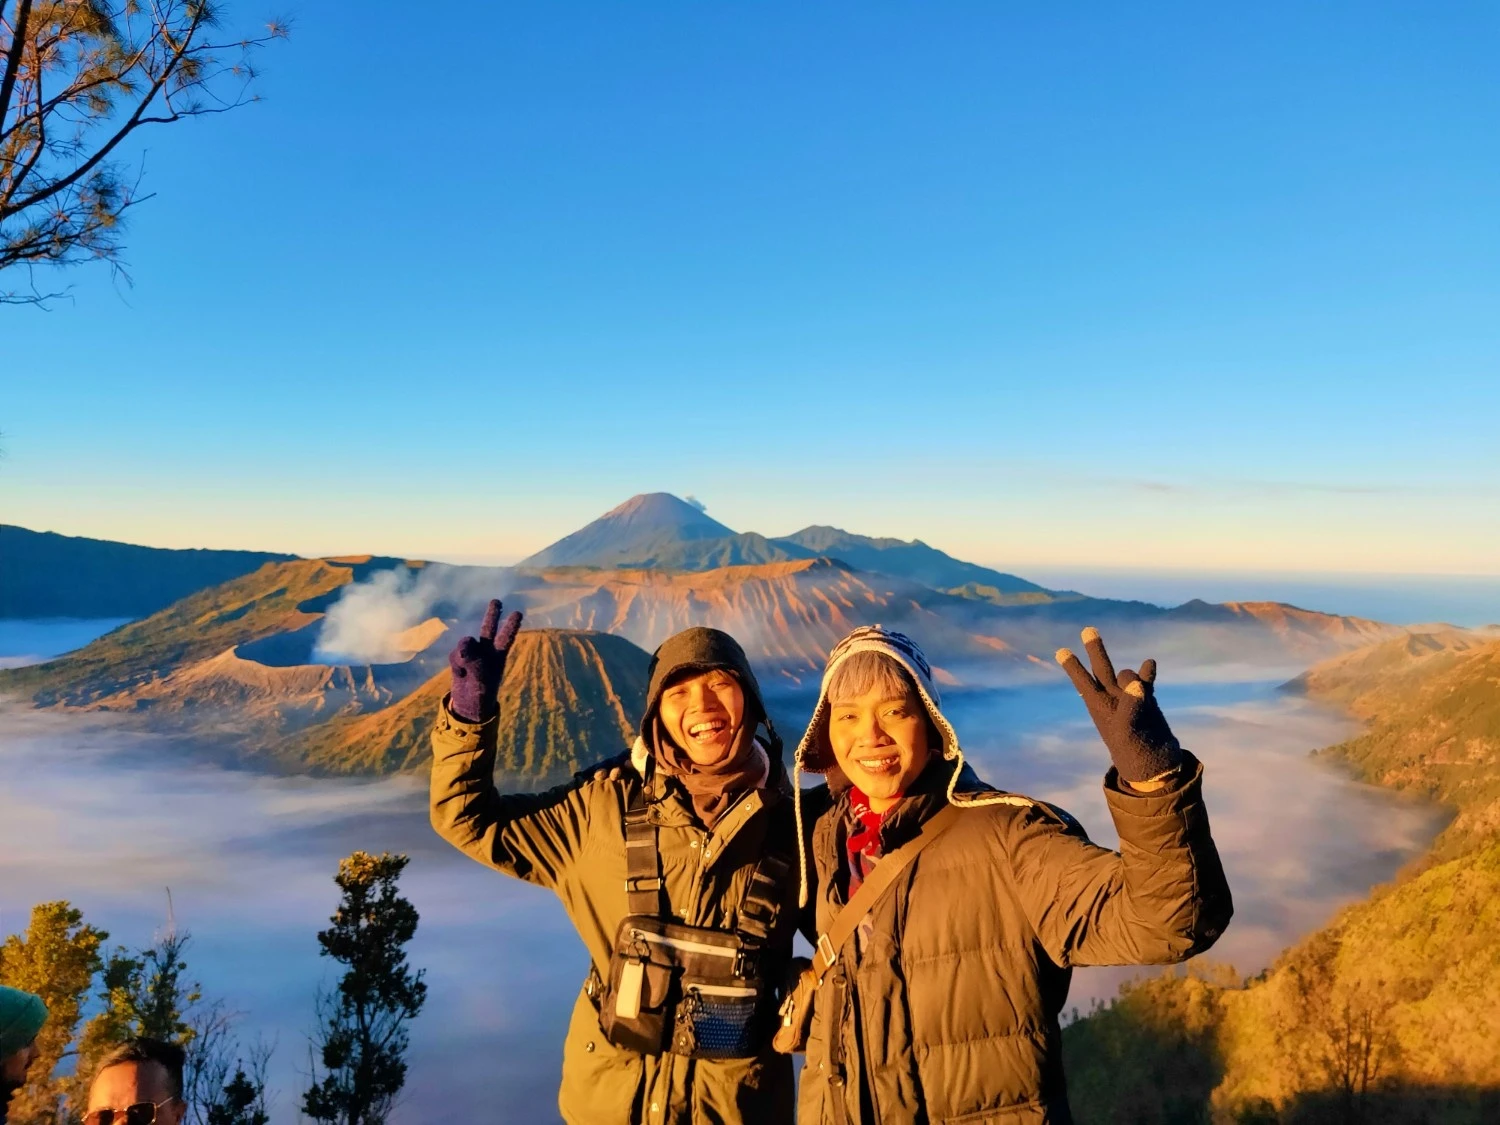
(864, 838)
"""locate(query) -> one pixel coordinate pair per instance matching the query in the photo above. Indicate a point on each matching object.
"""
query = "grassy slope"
(1413, 974)
(195, 628)
(569, 698)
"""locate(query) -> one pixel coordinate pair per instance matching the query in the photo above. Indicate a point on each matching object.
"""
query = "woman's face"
(880, 742)
(703, 713)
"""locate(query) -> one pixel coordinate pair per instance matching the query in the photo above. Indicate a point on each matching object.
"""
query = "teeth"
(699, 728)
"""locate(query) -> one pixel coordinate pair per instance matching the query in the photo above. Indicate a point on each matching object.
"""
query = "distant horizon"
(1053, 565)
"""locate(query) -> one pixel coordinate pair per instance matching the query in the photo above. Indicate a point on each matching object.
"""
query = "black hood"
(701, 650)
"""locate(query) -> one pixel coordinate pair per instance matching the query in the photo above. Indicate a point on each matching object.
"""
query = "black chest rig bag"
(689, 990)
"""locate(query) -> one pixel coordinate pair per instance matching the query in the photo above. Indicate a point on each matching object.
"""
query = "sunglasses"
(142, 1113)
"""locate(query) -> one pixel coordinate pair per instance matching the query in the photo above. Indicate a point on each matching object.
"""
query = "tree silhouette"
(362, 1037)
(78, 77)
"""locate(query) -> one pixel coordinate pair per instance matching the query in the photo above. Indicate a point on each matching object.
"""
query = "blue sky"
(1170, 286)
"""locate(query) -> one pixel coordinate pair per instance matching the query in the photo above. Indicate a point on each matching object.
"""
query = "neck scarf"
(864, 845)
(714, 788)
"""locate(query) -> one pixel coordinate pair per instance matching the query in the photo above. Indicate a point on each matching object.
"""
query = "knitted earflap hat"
(22, 1015)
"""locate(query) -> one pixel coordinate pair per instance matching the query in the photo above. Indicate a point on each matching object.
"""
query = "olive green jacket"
(571, 840)
(945, 1008)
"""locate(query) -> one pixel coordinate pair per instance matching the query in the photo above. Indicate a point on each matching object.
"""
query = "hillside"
(278, 598)
(1391, 1013)
(43, 574)
(569, 698)
(787, 615)
(915, 561)
(244, 654)
(1433, 708)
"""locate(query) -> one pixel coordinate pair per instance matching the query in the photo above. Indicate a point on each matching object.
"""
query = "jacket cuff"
(465, 732)
(1185, 789)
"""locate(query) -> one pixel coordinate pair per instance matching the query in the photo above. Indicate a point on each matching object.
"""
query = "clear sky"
(1144, 285)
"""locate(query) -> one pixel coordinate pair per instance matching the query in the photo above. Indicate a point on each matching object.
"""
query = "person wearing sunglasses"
(138, 1083)
(22, 1015)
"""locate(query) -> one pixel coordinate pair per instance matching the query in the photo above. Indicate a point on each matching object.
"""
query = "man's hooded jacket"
(571, 840)
(944, 1006)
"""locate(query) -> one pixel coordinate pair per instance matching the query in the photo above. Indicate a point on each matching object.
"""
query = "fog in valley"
(110, 818)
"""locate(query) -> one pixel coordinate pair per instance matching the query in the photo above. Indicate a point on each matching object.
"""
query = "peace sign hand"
(1125, 710)
(478, 665)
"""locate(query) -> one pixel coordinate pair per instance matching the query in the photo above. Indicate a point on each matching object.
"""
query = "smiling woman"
(878, 728)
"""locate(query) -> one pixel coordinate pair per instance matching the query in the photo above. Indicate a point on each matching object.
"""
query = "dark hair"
(143, 1049)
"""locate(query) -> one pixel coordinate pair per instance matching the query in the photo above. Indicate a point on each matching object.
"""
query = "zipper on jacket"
(685, 944)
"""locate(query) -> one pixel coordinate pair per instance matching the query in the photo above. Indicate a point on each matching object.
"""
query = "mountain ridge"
(46, 574)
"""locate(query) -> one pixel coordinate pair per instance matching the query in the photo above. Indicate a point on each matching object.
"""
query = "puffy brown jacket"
(944, 1007)
(571, 840)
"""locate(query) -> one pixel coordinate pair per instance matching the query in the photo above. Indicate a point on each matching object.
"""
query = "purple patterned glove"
(1125, 710)
(478, 665)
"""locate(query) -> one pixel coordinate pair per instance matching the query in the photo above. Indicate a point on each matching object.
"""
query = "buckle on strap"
(637, 884)
(826, 951)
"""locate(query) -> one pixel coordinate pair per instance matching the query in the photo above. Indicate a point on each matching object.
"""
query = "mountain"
(916, 561)
(570, 698)
(642, 527)
(1392, 1012)
(746, 549)
(660, 532)
(43, 574)
(788, 615)
(250, 644)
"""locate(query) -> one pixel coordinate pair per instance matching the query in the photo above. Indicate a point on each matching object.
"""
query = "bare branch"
(13, 56)
(118, 66)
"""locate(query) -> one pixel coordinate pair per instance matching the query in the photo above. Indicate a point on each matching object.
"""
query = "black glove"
(1124, 709)
(478, 665)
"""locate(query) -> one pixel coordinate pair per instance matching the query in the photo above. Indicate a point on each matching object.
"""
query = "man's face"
(13, 1066)
(880, 742)
(703, 713)
(123, 1085)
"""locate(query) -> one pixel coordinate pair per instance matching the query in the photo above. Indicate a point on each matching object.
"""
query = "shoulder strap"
(875, 885)
(643, 881)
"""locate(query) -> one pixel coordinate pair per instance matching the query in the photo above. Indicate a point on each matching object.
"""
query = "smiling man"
(677, 867)
(942, 985)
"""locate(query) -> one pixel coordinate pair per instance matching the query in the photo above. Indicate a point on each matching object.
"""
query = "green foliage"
(145, 993)
(362, 1036)
(243, 1102)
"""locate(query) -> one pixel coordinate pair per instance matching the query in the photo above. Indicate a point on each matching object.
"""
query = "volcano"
(641, 527)
(569, 698)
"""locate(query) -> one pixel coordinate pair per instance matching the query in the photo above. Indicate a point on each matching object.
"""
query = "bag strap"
(643, 881)
(826, 955)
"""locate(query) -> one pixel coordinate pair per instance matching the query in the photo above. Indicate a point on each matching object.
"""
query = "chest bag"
(689, 990)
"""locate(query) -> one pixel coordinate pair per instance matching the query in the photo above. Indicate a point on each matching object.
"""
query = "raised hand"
(1124, 709)
(478, 665)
